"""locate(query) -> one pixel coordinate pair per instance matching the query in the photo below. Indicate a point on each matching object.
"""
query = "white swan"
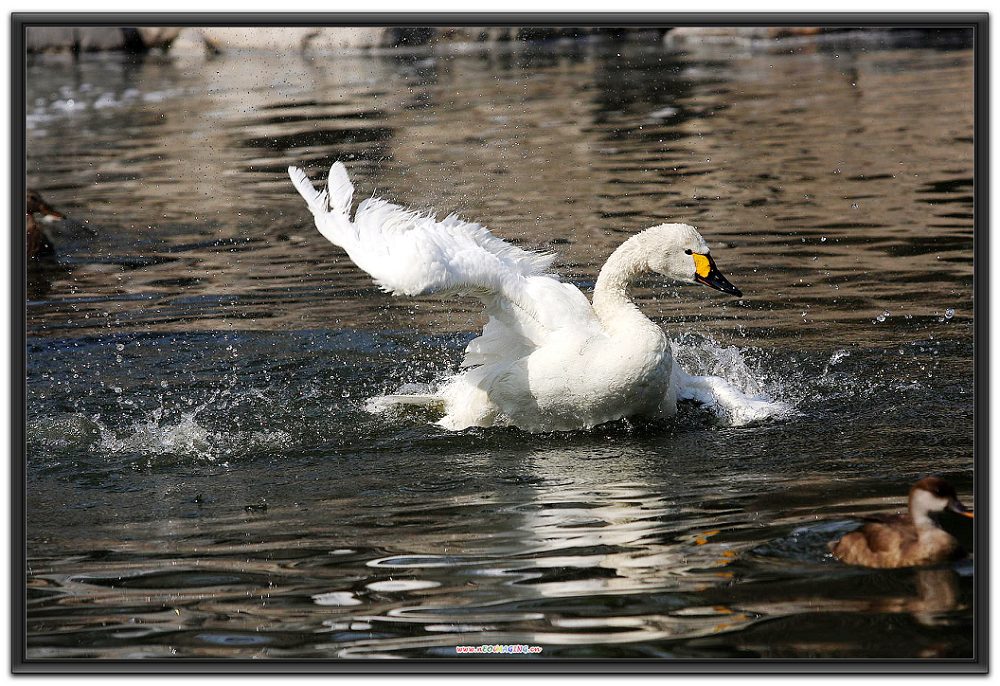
(547, 359)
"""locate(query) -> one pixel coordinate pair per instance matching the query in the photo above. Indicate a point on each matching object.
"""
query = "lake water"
(203, 479)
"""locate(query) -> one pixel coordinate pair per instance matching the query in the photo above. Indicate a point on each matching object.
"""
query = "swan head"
(679, 252)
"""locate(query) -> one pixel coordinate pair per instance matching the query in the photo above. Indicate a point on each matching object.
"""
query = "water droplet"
(822, 239)
(949, 313)
(120, 347)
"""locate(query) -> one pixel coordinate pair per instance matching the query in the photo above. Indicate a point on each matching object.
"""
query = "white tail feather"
(339, 189)
(319, 202)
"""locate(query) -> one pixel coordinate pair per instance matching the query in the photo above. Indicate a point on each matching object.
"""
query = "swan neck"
(612, 304)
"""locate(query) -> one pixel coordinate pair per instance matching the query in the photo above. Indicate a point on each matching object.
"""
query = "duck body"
(548, 358)
(37, 243)
(906, 540)
(896, 542)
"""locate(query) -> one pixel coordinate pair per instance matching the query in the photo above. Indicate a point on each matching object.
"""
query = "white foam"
(729, 402)
(336, 599)
(401, 585)
(413, 395)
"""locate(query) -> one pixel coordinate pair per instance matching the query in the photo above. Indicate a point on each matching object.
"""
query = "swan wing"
(413, 253)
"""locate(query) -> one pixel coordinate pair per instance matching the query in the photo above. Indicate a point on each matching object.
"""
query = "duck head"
(682, 254)
(933, 494)
(35, 204)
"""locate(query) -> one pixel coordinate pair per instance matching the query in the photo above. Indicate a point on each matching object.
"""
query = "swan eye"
(688, 251)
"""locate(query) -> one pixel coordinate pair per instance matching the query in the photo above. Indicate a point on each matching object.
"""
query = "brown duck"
(906, 540)
(38, 243)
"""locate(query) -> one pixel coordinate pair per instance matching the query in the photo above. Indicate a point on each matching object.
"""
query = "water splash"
(164, 434)
(704, 356)
(159, 436)
(722, 380)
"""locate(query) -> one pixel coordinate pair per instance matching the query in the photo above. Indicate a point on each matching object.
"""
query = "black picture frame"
(977, 22)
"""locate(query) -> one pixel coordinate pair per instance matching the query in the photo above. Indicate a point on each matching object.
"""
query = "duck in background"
(906, 540)
(38, 243)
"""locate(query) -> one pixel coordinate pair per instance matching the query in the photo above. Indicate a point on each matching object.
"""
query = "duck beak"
(51, 216)
(958, 508)
(707, 273)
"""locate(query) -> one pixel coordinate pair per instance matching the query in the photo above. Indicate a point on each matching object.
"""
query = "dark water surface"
(204, 479)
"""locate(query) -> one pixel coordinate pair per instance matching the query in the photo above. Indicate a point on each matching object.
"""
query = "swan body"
(548, 359)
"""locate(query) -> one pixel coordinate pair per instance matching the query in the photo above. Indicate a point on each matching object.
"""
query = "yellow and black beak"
(707, 273)
(958, 508)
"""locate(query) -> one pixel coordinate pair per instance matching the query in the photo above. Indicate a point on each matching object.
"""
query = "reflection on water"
(204, 479)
